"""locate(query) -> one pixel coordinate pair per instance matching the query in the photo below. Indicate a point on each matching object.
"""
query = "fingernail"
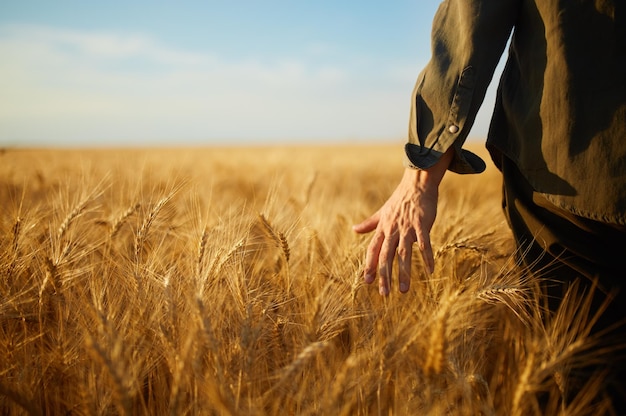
(383, 291)
(369, 278)
(404, 287)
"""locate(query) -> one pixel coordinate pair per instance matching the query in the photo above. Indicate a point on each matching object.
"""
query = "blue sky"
(77, 73)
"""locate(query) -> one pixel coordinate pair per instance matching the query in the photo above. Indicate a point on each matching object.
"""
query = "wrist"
(428, 180)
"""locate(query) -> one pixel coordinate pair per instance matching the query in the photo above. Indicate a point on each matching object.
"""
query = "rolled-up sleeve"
(468, 38)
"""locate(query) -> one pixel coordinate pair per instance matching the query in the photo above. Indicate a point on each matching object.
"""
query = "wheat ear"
(279, 238)
(119, 221)
(75, 213)
(147, 223)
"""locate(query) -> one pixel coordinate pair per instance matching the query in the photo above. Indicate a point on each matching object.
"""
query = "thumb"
(368, 225)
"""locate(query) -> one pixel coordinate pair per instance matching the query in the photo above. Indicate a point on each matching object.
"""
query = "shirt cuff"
(464, 162)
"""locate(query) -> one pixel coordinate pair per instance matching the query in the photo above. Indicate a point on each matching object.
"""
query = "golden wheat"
(166, 292)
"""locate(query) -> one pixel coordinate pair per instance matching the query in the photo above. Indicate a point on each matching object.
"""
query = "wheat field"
(228, 281)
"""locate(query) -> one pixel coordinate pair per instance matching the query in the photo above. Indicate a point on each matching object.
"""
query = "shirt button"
(453, 129)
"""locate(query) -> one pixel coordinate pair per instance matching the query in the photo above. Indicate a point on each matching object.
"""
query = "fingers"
(380, 255)
(373, 250)
(385, 261)
(379, 258)
(384, 247)
(371, 257)
(423, 241)
(405, 252)
(368, 225)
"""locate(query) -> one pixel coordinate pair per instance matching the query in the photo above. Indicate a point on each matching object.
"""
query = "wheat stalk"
(438, 342)
(25, 403)
(523, 386)
(123, 400)
(287, 373)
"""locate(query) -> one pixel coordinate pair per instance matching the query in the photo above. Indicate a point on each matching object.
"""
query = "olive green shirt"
(560, 111)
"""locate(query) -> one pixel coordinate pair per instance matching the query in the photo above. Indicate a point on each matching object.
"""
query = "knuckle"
(403, 252)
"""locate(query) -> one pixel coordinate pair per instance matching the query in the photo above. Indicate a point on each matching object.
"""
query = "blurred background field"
(227, 280)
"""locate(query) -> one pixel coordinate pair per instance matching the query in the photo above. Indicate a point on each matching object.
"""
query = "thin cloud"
(62, 84)
(98, 45)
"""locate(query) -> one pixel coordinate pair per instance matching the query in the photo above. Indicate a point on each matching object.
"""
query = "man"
(558, 134)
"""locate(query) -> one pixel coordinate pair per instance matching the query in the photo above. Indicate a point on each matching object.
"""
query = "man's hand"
(407, 217)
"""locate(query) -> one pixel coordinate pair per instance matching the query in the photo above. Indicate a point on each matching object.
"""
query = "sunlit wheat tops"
(119, 221)
(229, 282)
(278, 237)
(142, 232)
